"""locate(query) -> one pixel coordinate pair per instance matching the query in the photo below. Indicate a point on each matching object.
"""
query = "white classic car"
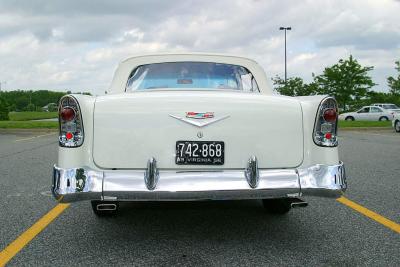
(368, 113)
(196, 127)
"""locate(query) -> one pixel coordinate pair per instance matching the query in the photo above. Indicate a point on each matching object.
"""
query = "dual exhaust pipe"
(106, 207)
(298, 203)
(295, 203)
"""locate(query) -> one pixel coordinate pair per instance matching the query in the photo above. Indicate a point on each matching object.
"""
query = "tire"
(107, 211)
(383, 118)
(349, 118)
(397, 126)
(277, 205)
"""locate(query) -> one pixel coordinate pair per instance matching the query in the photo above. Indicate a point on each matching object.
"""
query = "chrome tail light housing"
(326, 123)
(71, 132)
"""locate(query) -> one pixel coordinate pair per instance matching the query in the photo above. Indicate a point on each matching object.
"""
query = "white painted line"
(375, 134)
(30, 138)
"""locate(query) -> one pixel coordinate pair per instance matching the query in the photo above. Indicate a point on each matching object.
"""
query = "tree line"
(347, 81)
(20, 100)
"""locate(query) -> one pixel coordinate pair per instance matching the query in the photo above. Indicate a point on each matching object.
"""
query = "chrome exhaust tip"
(298, 203)
(106, 206)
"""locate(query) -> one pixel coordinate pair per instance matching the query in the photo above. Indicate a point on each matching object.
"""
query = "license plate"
(199, 153)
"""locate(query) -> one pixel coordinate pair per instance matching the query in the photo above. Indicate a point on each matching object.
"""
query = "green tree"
(30, 107)
(347, 81)
(394, 83)
(294, 86)
(19, 99)
(3, 109)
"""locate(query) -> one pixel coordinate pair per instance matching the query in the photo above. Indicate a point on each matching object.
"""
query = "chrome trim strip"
(316, 180)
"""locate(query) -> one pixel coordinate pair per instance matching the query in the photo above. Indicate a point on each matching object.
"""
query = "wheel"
(349, 118)
(105, 208)
(384, 118)
(277, 205)
(397, 126)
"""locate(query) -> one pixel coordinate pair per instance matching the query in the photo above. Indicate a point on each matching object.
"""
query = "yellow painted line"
(18, 244)
(30, 138)
(370, 214)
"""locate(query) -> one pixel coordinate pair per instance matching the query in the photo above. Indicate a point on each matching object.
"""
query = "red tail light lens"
(328, 136)
(330, 115)
(69, 136)
(71, 123)
(67, 114)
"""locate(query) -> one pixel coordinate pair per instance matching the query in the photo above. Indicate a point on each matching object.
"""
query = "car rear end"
(111, 148)
(190, 143)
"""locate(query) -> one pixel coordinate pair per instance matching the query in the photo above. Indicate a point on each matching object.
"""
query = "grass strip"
(31, 115)
(28, 124)
(366, 124)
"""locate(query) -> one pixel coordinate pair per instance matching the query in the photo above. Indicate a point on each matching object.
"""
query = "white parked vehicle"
(392, 108)
(195, 127)
(368, 113)
(396, 122)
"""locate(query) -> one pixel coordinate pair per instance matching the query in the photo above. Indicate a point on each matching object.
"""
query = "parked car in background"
(388, 106)
(368, 113)
(392, 108)
(396, 122)
(196, 127)
(51, 107)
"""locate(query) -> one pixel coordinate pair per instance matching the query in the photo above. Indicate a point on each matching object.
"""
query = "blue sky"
(76, 45)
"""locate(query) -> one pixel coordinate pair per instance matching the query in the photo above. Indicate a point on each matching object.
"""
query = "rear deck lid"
(131, 128)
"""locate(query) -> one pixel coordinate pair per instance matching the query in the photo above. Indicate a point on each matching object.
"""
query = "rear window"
(390, 106)
(191, 75)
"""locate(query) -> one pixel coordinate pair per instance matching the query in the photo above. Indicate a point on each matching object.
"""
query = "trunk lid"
(131, 128)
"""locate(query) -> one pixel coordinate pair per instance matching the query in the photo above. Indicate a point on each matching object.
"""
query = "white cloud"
(77, 44)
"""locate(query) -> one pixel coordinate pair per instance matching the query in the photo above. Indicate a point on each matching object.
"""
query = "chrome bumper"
(77, 184)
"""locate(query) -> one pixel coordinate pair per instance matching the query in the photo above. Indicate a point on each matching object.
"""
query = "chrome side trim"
(251, 172)
(151, 174)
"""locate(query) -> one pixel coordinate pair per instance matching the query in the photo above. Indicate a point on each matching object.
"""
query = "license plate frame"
(185, 154)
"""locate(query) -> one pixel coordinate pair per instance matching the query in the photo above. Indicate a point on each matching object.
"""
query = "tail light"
(67, 114)
(71, 125)
(325, 127)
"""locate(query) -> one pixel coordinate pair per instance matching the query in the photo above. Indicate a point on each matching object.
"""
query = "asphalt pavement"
(212, 233)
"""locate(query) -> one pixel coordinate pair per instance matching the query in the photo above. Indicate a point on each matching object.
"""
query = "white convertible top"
(128, 65)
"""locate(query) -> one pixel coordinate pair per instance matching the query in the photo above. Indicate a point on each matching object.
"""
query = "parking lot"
(326, 233)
